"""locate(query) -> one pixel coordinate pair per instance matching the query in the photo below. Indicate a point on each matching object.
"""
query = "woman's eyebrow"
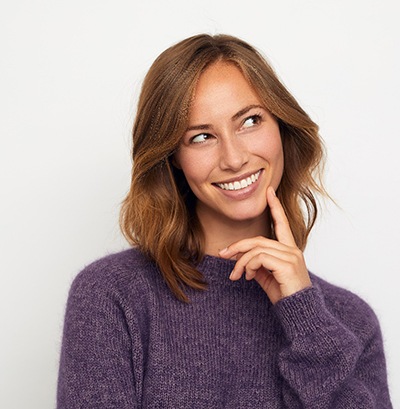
(242, 112)
(245, 110)
(199, 127)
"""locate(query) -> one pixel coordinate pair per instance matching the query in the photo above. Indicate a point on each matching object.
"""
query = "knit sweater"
(129, 343)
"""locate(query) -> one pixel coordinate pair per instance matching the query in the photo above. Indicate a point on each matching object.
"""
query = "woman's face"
(232, 150)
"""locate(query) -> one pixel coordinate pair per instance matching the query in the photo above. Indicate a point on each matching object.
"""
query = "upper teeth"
(240, 184)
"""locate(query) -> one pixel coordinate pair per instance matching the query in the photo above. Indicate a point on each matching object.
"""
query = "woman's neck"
(220, 233)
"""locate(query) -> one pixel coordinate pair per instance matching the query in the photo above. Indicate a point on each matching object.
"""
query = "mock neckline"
(216, 269)
(215, 262)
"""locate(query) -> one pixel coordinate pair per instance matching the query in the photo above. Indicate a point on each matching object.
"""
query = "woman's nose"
(233, 153)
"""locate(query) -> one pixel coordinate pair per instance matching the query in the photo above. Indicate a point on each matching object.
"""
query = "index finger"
(282, 229)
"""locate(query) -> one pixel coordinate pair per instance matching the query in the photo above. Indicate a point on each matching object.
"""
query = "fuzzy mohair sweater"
(129, 343)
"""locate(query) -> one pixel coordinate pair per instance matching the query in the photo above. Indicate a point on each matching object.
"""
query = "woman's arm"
(324, 363)
(96, 357)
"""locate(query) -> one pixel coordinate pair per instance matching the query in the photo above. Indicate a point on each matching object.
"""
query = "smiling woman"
(214, 307)
(173, 88)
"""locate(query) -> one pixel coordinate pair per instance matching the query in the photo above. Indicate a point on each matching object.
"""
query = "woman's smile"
(240, 188)
(239, 183)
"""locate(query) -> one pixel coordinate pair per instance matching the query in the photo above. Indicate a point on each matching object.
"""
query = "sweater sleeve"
(96, 358)
(324, 363)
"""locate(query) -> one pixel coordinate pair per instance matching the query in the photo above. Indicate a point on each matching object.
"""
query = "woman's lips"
(239, 183)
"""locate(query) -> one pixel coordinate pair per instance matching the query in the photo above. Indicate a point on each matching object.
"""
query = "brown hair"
(158, 214)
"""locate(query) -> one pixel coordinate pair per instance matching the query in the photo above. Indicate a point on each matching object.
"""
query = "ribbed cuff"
(302, 313)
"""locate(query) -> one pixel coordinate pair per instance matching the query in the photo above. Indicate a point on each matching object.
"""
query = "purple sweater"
(128, 343)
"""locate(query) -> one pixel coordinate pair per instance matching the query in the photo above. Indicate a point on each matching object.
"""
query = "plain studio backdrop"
(70, 75)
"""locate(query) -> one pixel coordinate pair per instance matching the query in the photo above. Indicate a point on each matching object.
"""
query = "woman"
(213, 307)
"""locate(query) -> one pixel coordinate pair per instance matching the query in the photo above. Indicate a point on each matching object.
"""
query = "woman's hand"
(277, 265)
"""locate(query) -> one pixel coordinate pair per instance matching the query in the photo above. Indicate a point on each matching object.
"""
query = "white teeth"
(237, 185)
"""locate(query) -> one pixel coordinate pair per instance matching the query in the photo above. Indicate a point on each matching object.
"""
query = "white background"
(70, 73)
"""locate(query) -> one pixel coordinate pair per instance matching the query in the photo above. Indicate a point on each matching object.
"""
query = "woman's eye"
(251, 121)
(200, 138)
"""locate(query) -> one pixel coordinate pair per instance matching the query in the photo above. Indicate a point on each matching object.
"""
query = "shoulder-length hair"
(158, 215)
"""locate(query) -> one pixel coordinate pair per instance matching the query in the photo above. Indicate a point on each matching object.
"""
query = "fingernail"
(231, 275)
(223, 251)
(273, 191)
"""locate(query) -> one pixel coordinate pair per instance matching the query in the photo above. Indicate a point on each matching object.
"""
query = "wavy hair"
(158, 214)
